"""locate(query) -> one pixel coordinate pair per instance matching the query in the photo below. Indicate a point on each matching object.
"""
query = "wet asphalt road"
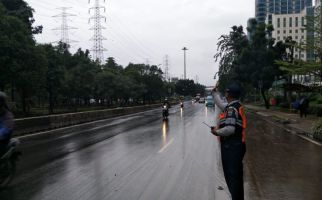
(141, 157)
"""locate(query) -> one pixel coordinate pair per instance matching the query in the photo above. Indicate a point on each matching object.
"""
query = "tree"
(188, 88)
(21, 10)
(54, 75)
(249, 61)
(22, 63)
(230, 47)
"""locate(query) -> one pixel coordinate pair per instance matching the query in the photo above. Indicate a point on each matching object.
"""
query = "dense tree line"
(251, 61)
(49, 76)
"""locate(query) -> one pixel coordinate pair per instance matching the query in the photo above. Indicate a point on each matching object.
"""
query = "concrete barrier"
(37, 124)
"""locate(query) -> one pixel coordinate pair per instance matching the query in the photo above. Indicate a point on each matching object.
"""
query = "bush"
(317, 130)
(314, 97)
(315, 109)
(319, 100)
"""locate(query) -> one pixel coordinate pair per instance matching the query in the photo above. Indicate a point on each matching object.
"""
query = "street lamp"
(185, 72)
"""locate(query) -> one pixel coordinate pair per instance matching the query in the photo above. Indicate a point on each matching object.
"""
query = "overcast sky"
(141, 30)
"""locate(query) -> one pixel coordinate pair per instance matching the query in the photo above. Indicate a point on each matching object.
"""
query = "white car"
(202, 100)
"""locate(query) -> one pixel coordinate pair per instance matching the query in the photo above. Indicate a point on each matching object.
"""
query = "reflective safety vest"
(240, 121)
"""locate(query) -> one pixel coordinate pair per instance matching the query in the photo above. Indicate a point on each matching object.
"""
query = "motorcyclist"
(165, 109)
(166, 103)
(6, 123)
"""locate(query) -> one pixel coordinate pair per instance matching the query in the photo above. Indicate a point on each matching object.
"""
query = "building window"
(284, 22)
(302, 21)
(284, 38)
(302, 30)
(296, 37)
(278, 31)
(278, 38)
(290, 22)
(296, 21)
(296, 56)
(290, 31)
(284, 31)
(296, 31)
(278, 22)
(302, 55)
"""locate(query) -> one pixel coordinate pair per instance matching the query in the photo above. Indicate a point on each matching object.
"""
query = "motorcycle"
(8, 163)
(165, 112)
(181, 105)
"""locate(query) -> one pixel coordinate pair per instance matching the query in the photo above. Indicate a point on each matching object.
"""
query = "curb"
(284, 124)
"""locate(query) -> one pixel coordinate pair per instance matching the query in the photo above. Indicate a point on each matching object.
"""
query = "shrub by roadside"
(317, 130)
(315, 109)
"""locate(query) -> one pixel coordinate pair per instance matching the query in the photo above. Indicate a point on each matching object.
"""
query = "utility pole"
(166, 69)
(197, 79)
(185, 67)
(64, 28)
(98, 49)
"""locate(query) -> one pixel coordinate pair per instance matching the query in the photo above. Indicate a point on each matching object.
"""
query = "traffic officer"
(230, 128)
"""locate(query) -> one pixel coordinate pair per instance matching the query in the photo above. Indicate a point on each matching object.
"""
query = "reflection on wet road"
(281, 165)
(142, 157)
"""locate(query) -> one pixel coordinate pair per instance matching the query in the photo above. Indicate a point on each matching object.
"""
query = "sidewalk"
(290, 121)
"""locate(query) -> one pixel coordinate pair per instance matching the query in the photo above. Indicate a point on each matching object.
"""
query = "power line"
(64, 28)
(147, 51)
(98, 38)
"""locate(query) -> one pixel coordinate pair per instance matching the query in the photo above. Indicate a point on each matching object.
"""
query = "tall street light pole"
(185, 69)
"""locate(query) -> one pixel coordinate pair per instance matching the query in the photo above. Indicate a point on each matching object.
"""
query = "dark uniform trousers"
(232, 154)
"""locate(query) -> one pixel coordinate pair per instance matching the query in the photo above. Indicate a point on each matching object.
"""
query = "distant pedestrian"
(304, 105)
(230, 129)
(296, 104)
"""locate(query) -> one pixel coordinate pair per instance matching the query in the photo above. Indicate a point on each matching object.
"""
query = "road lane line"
(166, 146)
(310, 140)
(53, 131)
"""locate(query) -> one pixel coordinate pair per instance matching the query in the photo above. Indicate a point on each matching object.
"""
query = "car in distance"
(210, 101)
(202, 100)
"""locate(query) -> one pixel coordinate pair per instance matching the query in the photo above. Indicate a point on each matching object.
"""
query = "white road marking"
(263, 114)
(166, 146)
(83, 124)
(310, 140)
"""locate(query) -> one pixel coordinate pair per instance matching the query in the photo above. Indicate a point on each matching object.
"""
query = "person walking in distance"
(231, 130)
(304, 105)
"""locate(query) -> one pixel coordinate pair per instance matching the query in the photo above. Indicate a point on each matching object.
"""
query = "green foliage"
(319, 99)
(317, 130)
(21, 10)
(249, 62)
(189, 88)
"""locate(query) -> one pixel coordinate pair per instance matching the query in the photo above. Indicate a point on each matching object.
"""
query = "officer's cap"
(234, 90)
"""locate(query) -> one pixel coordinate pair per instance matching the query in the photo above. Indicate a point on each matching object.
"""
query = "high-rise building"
(260, 10)
(265, 8)
(291, 25)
